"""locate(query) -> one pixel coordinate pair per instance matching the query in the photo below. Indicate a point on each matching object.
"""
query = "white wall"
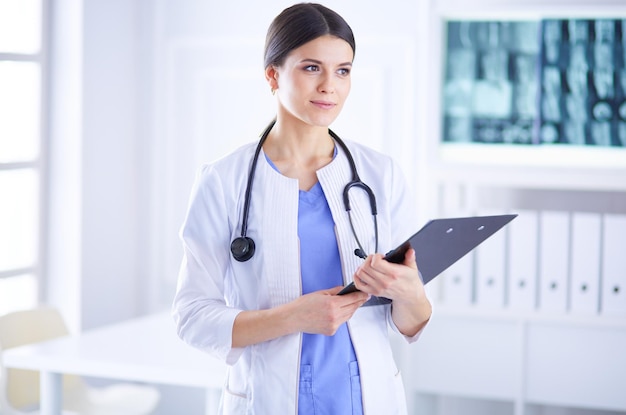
(94, 180)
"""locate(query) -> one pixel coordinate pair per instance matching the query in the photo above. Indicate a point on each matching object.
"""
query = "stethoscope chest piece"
(242, 248)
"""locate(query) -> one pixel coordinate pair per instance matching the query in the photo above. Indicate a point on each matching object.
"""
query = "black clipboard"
(440, 243)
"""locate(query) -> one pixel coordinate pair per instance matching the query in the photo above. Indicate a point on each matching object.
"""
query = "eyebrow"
(308, 60)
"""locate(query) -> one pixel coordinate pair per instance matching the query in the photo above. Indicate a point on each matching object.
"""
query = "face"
(314, 81)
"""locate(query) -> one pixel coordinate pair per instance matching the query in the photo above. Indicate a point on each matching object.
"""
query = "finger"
(375, 269)
(359, 283)
(379, 267)
(409, 259)
(357, 300)
(334, 290)
(353, 296)
(367, 281)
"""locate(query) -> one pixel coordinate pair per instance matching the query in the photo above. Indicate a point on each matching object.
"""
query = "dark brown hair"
(299, 24)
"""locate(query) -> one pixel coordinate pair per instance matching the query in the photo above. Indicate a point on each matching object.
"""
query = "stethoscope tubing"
(355, 182)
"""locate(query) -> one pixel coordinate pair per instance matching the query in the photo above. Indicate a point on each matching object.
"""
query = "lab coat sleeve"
(403, 224)
(202, 317)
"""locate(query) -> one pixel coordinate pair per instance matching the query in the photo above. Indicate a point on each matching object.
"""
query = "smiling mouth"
(323, 104)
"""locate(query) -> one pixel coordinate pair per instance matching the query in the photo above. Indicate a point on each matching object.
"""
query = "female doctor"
(269, 241)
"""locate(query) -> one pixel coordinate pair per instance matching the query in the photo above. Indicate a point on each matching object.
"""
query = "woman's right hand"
(320, 312)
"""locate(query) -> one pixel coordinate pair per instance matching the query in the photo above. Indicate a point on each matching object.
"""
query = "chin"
(322, 121)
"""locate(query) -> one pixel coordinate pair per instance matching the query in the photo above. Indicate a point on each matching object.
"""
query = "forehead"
(327, 48)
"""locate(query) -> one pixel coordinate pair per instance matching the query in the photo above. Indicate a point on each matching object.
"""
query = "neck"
(299, 151)
(298, 142)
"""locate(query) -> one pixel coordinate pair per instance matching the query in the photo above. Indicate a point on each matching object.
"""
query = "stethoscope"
(243, 246)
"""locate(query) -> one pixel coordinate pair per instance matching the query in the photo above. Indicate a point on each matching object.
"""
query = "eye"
(344, 71)
(311, 68)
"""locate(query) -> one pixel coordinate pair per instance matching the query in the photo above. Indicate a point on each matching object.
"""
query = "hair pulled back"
(299, 24)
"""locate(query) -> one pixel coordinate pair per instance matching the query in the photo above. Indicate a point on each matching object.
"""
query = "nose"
(327, 84)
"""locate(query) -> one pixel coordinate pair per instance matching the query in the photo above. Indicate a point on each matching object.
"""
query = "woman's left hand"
(402, 284)
(398, 282)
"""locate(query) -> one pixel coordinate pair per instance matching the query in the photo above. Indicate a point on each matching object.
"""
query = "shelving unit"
(486, 359)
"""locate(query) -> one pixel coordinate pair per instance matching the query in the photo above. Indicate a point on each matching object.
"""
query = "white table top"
(145, 349)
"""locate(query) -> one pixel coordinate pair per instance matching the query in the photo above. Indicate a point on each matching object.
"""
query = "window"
(22, 158)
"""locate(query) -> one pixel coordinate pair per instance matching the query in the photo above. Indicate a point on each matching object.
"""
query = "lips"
(324, 104)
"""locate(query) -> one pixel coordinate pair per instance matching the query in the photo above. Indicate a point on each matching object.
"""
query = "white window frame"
(40, 164)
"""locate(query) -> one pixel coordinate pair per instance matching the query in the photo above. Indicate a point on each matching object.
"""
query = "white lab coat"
(213, 287)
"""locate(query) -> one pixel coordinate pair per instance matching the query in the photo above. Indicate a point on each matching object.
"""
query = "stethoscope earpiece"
(242, 248)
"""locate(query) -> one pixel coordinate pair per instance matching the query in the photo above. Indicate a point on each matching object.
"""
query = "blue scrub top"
(329, 372)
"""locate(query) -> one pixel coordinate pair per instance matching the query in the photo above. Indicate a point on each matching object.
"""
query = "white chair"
(19, 392)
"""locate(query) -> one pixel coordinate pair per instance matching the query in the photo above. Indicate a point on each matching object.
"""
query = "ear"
(271, 75)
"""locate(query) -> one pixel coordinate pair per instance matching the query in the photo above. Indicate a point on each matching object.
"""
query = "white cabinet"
(580, 365)
(468, 356)
(551, 336)
(524, 359)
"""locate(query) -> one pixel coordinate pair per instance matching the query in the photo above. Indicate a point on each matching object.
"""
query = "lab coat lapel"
(279, 217)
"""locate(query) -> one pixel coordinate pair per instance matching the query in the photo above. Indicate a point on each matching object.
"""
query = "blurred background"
(109, 107)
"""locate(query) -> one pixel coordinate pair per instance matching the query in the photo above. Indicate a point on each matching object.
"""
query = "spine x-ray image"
(535, 82)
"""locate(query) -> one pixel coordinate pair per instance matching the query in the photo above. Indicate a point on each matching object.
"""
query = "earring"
(273, 91)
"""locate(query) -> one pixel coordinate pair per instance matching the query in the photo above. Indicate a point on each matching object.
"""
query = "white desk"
(145, 349)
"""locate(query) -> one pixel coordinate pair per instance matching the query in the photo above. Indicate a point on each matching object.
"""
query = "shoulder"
(378, 169)
(366, 157)
(234, 164)
(225, 178)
